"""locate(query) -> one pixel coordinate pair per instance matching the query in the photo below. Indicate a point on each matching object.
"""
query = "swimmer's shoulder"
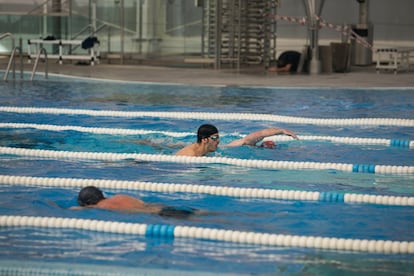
(187, 151)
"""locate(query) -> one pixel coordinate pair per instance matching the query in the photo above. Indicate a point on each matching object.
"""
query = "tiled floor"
(357, 77)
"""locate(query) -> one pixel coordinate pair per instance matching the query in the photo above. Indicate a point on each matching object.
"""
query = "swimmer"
(287, 63)
(208, 140)
(92, 197)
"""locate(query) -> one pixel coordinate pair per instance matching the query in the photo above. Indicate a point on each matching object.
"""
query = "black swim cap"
(281, 63)
(90, 196)
(205, 131)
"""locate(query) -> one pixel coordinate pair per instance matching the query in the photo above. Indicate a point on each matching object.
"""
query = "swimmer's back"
(121, 202)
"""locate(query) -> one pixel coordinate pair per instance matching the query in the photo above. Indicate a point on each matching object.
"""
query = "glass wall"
(164, 29)
(126, 29)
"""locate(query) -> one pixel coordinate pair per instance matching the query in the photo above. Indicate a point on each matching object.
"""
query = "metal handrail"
(42, 6)
(104, 25)
(37, 61)
(5, 35)
(8, 35)
(86, 28)
(89, 26)
(13, 63)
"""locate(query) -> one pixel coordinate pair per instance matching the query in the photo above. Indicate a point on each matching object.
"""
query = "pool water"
(81, 252)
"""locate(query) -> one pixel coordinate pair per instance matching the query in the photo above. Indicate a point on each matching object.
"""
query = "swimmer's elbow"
(236, 143)
(76, 208)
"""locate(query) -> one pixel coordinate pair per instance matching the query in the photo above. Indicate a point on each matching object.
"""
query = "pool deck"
(357, 77)
(362, 76)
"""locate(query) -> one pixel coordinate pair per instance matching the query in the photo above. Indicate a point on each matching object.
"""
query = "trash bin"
(325, 56)
(340, 57)
(362, 55)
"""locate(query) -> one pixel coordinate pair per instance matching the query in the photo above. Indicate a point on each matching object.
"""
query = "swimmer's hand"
(255, 137)
(290, 133)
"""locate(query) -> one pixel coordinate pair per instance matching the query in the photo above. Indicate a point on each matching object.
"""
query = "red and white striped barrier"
(322, 23)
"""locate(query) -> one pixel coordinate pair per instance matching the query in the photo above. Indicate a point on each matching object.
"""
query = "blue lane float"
(331, 197)
(160, 231)
(364, 168)
(400, 143)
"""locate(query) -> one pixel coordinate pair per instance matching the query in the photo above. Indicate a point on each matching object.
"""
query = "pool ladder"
(12, 63)
(42, 50)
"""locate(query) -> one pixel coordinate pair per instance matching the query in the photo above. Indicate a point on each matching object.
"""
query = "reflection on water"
(86, 253)
(325, 103)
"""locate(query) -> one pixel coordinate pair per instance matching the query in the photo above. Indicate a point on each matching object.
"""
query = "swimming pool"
(77, 131)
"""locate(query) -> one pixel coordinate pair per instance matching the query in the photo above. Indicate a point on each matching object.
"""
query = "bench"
(92, 56)
(396, 58)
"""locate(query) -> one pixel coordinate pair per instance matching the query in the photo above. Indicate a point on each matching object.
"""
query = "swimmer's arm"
(284, 69)
(235, 143)
(149, 208)
(54, 204)
(130, 210)
(254, 137)
(81, 207)
(76, 208)
(144, 143)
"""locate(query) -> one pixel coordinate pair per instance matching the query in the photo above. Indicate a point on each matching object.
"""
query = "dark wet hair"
(90, 196)
(281, 63)
(205, 131)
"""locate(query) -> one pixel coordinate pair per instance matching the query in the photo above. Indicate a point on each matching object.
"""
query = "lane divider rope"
(277, 138)
(250, 163)
(398, 143)
(95, 130)
(212, 190)
(167, 231)
(214, 116)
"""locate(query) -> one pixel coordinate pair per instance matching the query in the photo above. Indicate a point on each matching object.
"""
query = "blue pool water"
(45, 249)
